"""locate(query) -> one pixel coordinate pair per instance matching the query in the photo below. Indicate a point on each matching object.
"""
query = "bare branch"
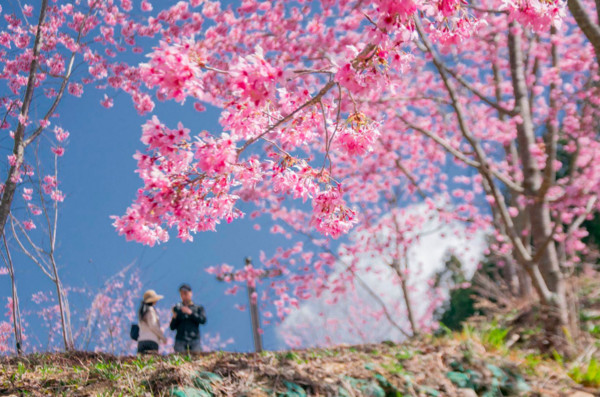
(479, 94)
(38, 261)
(460, 156)
(551, 128)
(484, 168)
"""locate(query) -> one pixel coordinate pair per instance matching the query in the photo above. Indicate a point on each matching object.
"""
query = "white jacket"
(150, 327)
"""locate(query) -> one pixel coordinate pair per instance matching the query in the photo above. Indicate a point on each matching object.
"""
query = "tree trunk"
(65, 316)
(404, 285)
(586, 24)
(10, 185)
(16, 311)
(551, 285)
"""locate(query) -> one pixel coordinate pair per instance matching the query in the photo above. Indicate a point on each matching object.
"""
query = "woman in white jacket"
(150, 333)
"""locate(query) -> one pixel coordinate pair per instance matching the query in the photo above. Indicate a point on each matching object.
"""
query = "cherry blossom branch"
(314, 100)
(534, 73)
(510, 148)
(478, 93)
(571, 229)
(442, 142)
(581, 218)
(414, 98)
(420, 191)
(540, 228)
(396, 266)
(328, 140)
(379, 301)
(586, 24)
(276, 146)
(460, 156)
(23, 12)
(486, 10)
(484, 168)
(362, 283)
(10, 185)
(38, 261)
(65, 81)
(540, 250)
(313, 71)
(12, 104)
(63, 304)
(215, 69)
(339, 109)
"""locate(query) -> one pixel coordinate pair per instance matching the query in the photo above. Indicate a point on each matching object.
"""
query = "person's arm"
(198, 316)
(154, 325)
(175, 320)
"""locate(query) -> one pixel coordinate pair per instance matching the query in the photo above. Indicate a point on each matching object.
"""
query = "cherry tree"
(6, 330)
(42, 253)
(46, 52)
(381, 286)
(341, 103)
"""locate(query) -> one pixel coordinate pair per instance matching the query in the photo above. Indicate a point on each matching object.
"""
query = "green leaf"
(189, 392)
(458, 378)
(293, 390)
(429, 391)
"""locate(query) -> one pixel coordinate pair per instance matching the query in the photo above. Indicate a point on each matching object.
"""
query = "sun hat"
(150, 296)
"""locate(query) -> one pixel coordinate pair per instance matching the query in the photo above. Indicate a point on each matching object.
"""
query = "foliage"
(587, 374)
(495, 336)
(460, 304)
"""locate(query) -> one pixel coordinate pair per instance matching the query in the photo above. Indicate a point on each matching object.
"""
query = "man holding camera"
(187, 318)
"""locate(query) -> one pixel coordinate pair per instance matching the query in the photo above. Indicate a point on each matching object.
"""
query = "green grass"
(495, 337)
(532, 360)
(107, 370)
(588, 375)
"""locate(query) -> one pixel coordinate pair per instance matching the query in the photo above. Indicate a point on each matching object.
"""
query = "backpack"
(134, 332)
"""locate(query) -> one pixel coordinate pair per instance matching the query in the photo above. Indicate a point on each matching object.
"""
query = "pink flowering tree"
(49, 50)
(7, 343)
(354, 105)
(39, 245)
(112, 310)
(376, 286)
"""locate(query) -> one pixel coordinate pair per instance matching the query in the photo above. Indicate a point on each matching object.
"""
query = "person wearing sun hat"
(150, 333)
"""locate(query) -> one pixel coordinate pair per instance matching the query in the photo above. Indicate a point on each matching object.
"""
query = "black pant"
(147, 346)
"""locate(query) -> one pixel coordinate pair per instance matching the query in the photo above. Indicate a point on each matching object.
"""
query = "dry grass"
(418, 367)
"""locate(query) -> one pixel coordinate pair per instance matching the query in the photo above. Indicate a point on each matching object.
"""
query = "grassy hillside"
(468, 363)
